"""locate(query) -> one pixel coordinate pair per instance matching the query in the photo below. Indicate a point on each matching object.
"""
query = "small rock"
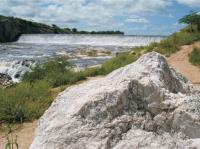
(5, 80)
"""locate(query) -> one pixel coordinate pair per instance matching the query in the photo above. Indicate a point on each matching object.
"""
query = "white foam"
(93, 40)
(13, 68)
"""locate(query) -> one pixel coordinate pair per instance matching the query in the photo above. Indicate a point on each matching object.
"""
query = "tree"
(55, 28)
(192, 19)
(74, 30)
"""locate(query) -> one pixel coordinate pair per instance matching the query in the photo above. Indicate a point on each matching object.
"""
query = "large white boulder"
(143, 105)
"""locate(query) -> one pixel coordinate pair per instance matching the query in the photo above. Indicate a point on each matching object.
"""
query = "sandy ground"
(180, 62)
(25, 135)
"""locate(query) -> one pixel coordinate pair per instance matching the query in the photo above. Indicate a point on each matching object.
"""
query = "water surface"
(17, 57)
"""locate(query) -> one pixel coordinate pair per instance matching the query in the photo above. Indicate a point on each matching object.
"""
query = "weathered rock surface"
(5, 80)
(143, 105)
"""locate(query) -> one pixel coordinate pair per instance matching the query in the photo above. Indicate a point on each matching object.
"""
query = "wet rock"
(16, 69)
(145, 104)
(5, 80)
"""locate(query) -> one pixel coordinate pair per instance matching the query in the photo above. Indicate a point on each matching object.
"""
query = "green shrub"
(24, 101)
(117, 62)
(107, 67)
(194, 56)
(58, 71)
(91, 72)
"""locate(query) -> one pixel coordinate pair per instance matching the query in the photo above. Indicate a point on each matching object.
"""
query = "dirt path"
(25, 135)
(180, 62)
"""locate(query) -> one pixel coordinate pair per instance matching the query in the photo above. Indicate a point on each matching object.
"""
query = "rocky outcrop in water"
(16, 69)
(5, 80)
(145, 104)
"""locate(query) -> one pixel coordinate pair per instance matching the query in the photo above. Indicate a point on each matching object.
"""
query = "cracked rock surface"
(146, 104)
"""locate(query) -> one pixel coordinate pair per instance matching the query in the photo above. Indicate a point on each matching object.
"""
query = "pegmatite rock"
(145, 104)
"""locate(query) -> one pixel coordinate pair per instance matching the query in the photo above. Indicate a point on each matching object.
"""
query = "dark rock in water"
(5, 80)
(17, 75)
(28, 63)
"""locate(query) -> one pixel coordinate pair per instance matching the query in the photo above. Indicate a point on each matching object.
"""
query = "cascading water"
(92, 40)
(16, 58)
(15, 69)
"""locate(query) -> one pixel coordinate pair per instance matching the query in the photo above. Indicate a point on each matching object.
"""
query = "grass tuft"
(194, 56)
(24, 101)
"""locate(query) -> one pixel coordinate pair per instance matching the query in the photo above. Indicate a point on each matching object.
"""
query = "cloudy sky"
(140, 17)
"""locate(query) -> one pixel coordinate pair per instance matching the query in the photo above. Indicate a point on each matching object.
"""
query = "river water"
(17, 57)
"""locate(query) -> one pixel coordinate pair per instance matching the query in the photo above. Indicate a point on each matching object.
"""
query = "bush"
(107, 67)
(59, 72)
(194, 56)
(24, 102)
(117, 62)
(56, 71)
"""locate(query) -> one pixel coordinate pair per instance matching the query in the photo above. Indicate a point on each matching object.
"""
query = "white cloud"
(137, 20)
(191, 3)
(85, 14)
(90, 11)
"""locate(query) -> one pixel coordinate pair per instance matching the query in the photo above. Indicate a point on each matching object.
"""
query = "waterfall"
(92, 40)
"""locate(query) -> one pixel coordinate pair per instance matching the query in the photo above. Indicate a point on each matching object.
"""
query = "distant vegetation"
(28, 100)
(194, 57)
(100, 32)
(11, 28)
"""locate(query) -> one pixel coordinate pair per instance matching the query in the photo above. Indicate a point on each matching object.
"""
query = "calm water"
(17, 57)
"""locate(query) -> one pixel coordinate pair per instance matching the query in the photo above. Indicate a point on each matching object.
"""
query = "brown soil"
(180, 62)
(25, 135)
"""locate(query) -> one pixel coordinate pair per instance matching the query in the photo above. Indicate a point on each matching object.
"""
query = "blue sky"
(138, 17)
